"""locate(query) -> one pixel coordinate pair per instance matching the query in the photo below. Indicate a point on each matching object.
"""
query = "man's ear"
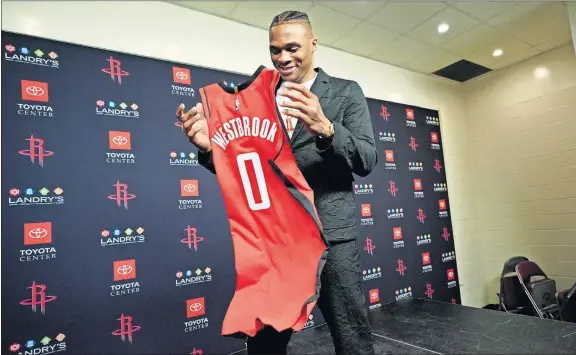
(314, 44)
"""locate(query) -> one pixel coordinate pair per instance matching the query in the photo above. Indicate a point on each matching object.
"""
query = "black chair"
(540, 290)
(511, 298)
(567, 304)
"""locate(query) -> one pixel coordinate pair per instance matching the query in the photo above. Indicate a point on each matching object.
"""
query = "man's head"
(292, 46)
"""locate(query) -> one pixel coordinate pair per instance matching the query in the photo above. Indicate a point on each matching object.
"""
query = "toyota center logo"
(37, 233)
(119, 140)
(196, 307)
(124, 270)
(35, 91)
(181, 75)
(190, 188)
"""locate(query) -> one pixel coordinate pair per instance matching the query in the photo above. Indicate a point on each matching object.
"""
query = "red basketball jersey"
(279, 247)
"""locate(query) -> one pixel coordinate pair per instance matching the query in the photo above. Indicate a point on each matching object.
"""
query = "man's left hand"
(305, 106)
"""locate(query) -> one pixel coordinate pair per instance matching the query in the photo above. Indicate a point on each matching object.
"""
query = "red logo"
(115, 71)
(126, 328)
(401, 267)
(39, 298)
(450, 274)
(192, 239)
(369, 247)
(434, 137)
(421, 216)
(410, 114)
(397, 233)
(119, 140)
(389, 155)
(196, 352)
(189, 188)
(181, 75)
(37, 233)
(384, 113)
(393, 189)
(36, 150)
(442, 204)
(124, 269)
(437, 165)
(413, 143)
(374, 296)
(122, 196)
(366, 210)
(417, 185)
(195, 307)
(429, 290)
(34, 90)
(445, 233)
(426, 258)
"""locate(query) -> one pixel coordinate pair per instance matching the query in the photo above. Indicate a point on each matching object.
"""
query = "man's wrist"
(328, 130)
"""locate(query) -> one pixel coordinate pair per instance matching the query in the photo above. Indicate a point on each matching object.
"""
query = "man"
(331, 137)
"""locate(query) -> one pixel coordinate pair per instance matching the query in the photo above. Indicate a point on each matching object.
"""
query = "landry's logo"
(449, 256)
(451, 276)
(374, 298)
(122, 195)
(434, 121)
(423, 239)
(111, 237)
(410, 118)
(440, 187)
(397, 241)
(182, 82)
(400, 267)
(35, 196)
(366, 212)
(392, 188)
(390, 160)
(36, 234)
(122, 143)
(192, 239)
(369, 246)
(418, 193)
(126, 330)
(183, 159)
(434, 141)
(37, 92)
(387, 137)
(36, 150)
(413, 144)
(415, 166)
(426, 262)
(118, 109)
(371, 274)
(44, 346)
(363, 189)
(124, 270)
(39, 298)
(397, 213)
(189, 188)
(27, 56)
(195, 308)
(114, 69)
(403, 293)
(196, 277)
(384, 113)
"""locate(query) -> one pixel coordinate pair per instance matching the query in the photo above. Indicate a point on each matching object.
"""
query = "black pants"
(341, 302)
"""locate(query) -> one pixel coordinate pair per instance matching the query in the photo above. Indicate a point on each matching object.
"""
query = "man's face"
(291, 49)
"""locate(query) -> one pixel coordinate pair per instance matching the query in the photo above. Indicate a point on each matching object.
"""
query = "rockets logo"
(384, 113)
(413, 143)
(392, 189)
(36, 150)
(122, 196)
(126, 328)
(369, 247)
(39, 298)
(401, 267)
(114, 70)
(192, 239)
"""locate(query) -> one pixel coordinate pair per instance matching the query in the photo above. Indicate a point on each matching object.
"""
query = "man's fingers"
(299, 88)
(297, 114)
(179, 111)
(190, 121)
(293, 105)
(193, 130)
(294, 95)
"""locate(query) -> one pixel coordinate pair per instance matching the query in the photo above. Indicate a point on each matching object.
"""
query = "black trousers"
(341, 302)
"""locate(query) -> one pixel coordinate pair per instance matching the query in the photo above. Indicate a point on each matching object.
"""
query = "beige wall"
(522, 131)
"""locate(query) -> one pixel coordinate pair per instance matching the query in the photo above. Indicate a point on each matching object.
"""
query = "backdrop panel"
(115, 240)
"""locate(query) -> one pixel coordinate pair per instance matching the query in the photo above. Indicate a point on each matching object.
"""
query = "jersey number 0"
(241, 159)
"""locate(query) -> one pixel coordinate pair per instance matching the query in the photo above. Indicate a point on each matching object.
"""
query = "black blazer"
(328, 166)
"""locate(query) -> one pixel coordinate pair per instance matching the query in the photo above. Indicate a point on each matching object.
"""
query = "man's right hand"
(195, 126)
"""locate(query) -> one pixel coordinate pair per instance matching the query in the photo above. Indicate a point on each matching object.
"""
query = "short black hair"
(290, 16)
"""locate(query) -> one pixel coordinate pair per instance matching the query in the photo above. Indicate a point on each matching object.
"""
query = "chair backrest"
(510, 264)
(511, 292)
(568, 306)
(529, 271)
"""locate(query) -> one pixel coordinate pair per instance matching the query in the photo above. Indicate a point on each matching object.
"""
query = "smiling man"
(331, 137)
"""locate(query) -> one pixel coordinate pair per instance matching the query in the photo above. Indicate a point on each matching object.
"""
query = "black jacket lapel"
(318, 88)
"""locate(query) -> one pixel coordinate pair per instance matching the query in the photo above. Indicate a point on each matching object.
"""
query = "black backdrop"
(115, 241)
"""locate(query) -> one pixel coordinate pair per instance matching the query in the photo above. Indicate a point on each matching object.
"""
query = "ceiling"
(404, 33)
